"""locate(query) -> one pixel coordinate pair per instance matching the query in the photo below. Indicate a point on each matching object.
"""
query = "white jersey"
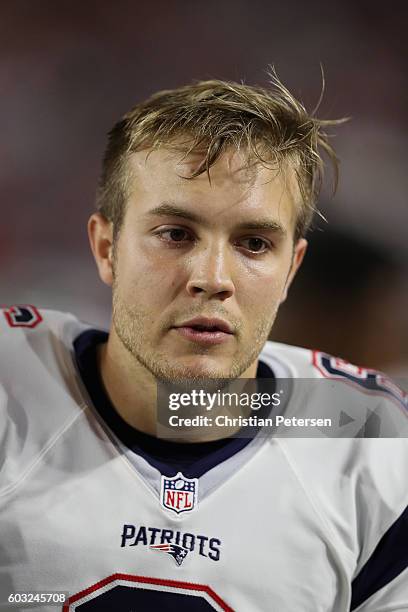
(283, 525)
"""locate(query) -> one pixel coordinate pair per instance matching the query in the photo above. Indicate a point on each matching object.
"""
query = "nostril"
(197, 289)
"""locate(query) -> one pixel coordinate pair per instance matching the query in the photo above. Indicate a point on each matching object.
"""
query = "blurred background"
(69, 70)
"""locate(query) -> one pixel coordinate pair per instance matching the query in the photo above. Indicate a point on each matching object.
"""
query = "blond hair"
(211, 116)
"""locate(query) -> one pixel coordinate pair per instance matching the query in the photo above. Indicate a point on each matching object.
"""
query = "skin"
(167, 268)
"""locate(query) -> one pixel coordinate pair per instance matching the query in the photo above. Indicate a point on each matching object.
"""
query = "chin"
(200, 374)
(194, 372)
(205, 367)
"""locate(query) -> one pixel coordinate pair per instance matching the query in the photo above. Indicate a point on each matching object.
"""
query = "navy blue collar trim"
(192, 459)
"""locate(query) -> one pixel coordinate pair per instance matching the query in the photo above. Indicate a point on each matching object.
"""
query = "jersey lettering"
(127, 593)
(22, 316)
(367, 379)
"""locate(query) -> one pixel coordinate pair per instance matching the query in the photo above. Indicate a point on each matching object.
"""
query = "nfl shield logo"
(178, 493)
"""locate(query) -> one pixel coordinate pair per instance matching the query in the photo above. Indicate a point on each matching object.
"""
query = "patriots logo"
(179, 553)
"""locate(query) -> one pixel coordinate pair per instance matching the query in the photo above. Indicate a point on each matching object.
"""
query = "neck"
(132, 390)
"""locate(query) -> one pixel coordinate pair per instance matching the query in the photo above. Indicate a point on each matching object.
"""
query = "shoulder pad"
(39, 385)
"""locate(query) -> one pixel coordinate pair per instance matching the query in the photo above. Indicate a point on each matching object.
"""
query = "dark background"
(69, 70)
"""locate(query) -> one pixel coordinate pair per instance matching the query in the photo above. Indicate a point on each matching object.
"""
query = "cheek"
(262, 284)
(145, 278)
(263, 302)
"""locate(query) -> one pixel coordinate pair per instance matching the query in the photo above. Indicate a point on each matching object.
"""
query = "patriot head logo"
(178, 493)
(174, 550)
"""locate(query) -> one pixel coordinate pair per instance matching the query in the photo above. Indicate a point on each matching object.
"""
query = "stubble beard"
(132, 323)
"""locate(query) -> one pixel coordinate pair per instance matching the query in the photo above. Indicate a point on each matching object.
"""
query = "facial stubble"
(132, 325)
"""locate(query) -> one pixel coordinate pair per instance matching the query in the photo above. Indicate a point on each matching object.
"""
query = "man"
(205, 197)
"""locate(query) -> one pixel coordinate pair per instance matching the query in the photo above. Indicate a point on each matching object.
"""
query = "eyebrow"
(168, 209)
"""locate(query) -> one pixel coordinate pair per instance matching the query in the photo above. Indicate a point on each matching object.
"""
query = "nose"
(211, 274)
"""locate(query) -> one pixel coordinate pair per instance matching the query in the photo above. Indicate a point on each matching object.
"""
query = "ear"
(100, 235)
(298, 255)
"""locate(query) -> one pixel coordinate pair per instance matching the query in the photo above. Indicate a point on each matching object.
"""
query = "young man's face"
(191, 249)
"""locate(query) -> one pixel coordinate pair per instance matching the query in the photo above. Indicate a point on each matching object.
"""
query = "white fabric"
(292, 520)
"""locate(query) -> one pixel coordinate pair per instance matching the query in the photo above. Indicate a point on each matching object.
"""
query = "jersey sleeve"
(38, 389)
(381, 580)
(392, 597)
(4, 429)
(358, 488)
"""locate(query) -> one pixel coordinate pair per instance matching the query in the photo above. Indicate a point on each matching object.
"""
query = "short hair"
(212, 116)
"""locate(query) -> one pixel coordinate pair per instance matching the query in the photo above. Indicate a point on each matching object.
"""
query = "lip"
(208, 338)
(221, 334)
(222, 326)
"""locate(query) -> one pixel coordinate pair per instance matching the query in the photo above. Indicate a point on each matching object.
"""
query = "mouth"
(205, 331)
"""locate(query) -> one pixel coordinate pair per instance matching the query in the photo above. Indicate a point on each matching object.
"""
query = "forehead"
(234, 185)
